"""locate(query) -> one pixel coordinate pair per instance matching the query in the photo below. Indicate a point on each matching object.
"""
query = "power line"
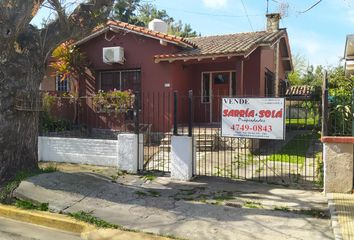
(312, 6)
(248, 17)
(211, 14)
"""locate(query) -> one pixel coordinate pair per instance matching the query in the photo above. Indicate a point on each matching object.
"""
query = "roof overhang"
(116, 29)
(186, 57)
(349, 55)
(198, 58)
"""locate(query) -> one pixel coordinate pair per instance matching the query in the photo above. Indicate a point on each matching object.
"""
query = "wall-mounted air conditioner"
(113, 55)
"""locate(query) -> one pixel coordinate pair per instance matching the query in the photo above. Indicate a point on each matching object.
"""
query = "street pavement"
(203, 209)
(14, 230)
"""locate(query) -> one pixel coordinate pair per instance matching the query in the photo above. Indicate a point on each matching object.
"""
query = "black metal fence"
(338, 108)
(157, 116)
(293, 160)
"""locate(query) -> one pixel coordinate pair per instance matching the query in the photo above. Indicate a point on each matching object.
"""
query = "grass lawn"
(295, 150)
(302, 121)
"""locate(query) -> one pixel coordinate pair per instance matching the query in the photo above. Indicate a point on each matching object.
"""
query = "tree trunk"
(24, 50)
(20, 76)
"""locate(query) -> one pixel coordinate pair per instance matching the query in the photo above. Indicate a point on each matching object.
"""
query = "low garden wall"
(338, 164)
(121, 153)
(78, 150)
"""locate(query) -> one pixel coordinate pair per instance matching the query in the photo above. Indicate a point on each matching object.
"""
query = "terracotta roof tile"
(163, 36)
(240, 43)
(299, 91)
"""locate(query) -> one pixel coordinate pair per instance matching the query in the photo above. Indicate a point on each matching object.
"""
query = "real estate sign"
(261, 118)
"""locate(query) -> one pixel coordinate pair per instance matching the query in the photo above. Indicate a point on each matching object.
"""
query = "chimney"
(273, 22)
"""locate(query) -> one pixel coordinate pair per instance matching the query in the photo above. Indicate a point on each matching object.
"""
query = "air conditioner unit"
(113, 55)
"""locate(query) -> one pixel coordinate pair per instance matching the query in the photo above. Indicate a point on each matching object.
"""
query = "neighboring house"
(241, 64)
(349, 55)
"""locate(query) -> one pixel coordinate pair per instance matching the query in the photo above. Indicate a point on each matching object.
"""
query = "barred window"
(61, 85)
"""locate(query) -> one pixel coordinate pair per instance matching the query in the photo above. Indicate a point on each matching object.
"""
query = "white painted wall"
(182, 156)
(88, 151)
(128, 152)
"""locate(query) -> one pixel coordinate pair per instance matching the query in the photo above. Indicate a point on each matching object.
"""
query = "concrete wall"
(338, 165)
(78, 150)
(121, 153)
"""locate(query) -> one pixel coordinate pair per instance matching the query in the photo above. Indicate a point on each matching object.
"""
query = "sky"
(318, 35)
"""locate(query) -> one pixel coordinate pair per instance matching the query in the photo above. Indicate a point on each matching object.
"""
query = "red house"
(124, 56)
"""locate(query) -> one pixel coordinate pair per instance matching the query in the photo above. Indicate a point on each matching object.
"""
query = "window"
(233, 84)
(206, 88)
(61, 85)
(221, 78)
(269, 84)
(120, 80)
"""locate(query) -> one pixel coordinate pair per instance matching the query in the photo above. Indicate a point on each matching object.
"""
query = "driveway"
(206, 208)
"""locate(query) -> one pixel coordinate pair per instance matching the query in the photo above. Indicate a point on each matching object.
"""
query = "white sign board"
(261, 118)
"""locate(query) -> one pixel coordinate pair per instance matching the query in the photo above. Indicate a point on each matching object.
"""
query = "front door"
(216, 85)
(220, 88)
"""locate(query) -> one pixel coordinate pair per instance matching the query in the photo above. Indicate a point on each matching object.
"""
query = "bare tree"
(24, 50)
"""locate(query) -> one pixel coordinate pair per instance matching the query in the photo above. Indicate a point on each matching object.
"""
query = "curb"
(65, 223)
(334, 218)
(51, 220)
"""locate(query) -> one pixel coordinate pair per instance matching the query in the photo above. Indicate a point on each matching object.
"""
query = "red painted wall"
(157, 100)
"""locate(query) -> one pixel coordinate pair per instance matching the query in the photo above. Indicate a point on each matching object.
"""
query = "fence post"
(190, 112)
(175, 130)
(325, 105)
(136, 112)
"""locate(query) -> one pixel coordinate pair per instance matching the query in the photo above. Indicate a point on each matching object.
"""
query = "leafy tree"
(148, 12)
(181, 30)
(132, 11)
(125, 10)
(24, 53)
(340, 96)
(295, 77)
(71, 65)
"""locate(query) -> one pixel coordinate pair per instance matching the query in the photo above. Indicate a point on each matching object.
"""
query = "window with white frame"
(61, 84)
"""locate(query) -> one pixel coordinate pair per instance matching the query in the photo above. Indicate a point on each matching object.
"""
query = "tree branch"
(15, 15)
(83, 19)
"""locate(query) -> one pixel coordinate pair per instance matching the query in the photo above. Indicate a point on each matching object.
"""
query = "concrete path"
(207, 208)
(14, 230)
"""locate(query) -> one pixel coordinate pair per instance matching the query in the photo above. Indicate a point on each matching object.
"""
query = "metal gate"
(289, 161)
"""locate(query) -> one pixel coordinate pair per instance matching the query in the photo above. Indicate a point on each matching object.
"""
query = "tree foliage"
(138, 13)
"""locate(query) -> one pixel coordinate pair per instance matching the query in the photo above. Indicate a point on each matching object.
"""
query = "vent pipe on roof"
(273, 20)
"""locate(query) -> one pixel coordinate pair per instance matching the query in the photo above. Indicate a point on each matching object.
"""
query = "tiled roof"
(238, 44)
(299, 91)
(140, 30)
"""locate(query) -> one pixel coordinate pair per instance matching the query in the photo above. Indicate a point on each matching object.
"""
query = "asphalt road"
(14, 230)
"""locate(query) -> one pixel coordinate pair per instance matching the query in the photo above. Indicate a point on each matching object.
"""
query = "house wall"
(157, 98)
(139, 52)
(252, 74)
(48, 82)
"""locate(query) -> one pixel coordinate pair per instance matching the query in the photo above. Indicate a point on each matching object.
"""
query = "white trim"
(197, 57)
(211, 88)
(115, 28)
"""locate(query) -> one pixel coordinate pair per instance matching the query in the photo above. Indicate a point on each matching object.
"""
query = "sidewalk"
(16, 223)
(204, 209)
(342, 211)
